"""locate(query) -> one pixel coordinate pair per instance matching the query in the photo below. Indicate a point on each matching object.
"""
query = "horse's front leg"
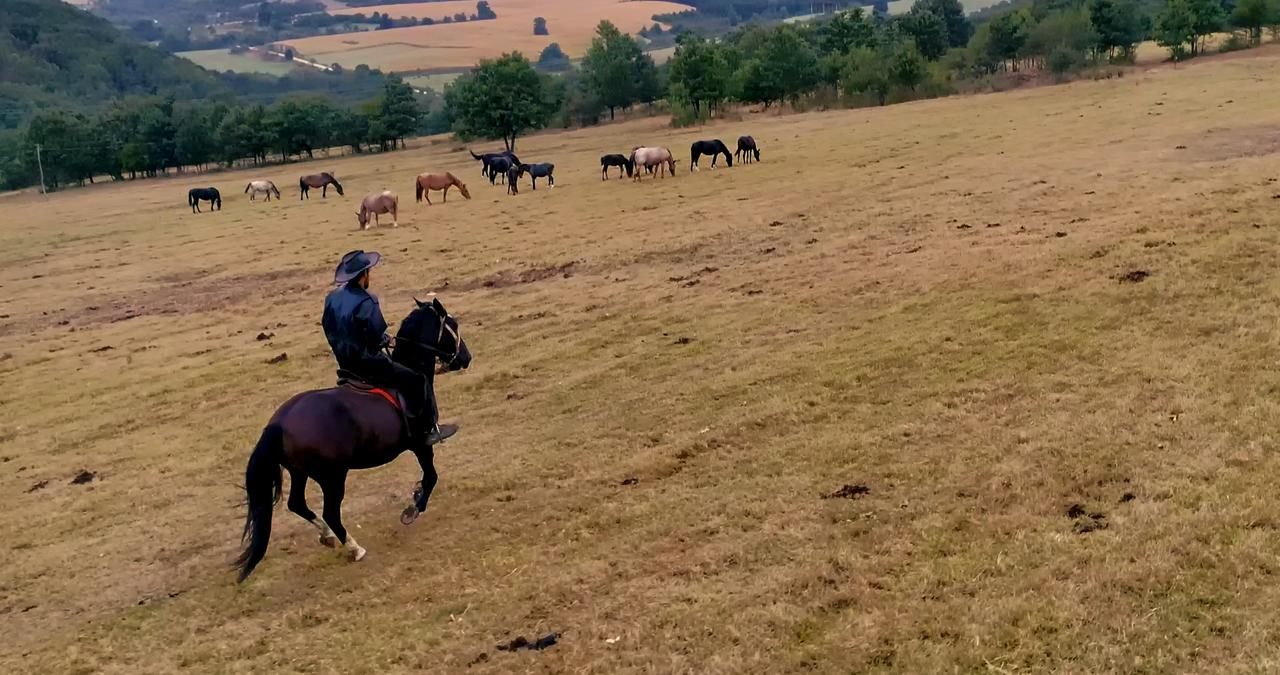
(422, 493)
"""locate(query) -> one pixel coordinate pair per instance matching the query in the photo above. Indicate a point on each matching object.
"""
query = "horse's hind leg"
(335, 488)
(298, 504)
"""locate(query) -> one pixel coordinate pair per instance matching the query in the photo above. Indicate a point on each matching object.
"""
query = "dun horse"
(378, 204)
(320, 180)
(715, 148)
(427, 182)
(323, 434)
(650, 158)
(747, 150)
(261, 186)
(211, 195)
(620, 161)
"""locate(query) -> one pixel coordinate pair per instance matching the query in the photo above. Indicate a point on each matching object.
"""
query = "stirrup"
(441, 433)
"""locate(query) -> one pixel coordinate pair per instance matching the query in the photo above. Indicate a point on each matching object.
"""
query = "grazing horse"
(650, 158)
(536, 171)
(323, 434)
(619, 161)
(714, 148)
(427, 182)
(377, 204)
(498, 167)
(513, 178)
(320, 180)
(261, 186)
(747, 152)
(211, 195)
(486, 161)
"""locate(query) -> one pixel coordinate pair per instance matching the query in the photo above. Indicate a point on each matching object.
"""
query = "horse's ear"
(419, 303)
(439, 307)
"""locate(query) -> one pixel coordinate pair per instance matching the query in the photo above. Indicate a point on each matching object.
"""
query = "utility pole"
(40, 163)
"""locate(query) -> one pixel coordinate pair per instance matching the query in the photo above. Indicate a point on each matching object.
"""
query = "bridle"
(444, 356)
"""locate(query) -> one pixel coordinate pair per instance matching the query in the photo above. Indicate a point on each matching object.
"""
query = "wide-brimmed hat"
(353, 264)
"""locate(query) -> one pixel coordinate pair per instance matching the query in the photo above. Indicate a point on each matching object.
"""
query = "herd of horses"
(499, 167)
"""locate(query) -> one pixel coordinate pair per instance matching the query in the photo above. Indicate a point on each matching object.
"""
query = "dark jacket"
(354, 326)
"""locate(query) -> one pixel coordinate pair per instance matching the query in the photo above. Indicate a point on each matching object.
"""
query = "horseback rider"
(357, 333)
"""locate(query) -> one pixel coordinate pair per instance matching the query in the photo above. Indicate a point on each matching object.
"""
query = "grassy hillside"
(1034, 327)
(56, 55)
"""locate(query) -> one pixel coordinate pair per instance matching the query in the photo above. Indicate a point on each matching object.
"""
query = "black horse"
(211, 195)
(536, 171)
(498, 167)
(323, 434)
(714, 148)
(486, 160)
(513, 178)
(747, 150)
(620, 161)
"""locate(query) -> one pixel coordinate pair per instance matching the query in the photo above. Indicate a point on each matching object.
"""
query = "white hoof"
(357, 554)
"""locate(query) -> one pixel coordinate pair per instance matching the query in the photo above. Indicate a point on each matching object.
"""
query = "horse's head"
(429, 334)
(631, 167)
(462, 187)
(756, 151)
(363, 216)
(333, 180)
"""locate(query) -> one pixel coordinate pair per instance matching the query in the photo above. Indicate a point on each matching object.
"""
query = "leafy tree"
(846, 31)
(699, 73)
(484, 12)
(540, 26)
(907, 67)
(952, 13)
(1119, 25)
(615, 70)
(1182, 26)
(866, 71)
(787, 67)
(1070, 31)
(927, 30)
(1252, 15)
(1006, 36)
(500, 98)
(398, 111)
(553, 58)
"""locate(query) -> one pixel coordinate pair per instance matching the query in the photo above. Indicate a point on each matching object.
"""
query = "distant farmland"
(221, 59)
(462, 45)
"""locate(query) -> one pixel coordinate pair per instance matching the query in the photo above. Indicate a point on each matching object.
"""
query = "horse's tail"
(302, 185)
(262, 484)
(191, 199)
(473, 154)
(246, 187)
(417, 189)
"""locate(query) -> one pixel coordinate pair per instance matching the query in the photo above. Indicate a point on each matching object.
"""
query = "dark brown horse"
(323, 434)
(320, 180)
(427, 182)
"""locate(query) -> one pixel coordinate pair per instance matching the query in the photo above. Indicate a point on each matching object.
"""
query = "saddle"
(354, 382)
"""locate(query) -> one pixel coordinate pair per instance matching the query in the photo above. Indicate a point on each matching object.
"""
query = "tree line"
(853, 58)
(148, 136)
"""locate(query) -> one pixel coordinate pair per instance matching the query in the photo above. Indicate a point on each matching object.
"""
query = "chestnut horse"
(320, 180)
(377, 204)
(438, 181)
(649, 158)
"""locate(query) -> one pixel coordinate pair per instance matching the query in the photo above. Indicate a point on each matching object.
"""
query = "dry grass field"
(443, 46)
(1039, 328)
